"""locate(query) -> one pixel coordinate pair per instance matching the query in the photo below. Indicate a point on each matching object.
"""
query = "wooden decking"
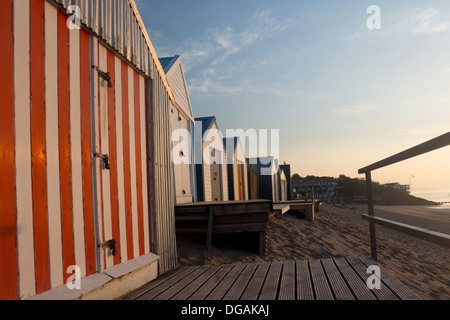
(224, 217)
(324, 279)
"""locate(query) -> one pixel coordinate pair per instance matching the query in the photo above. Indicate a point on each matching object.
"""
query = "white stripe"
(52, 141)
(104, 136)
(144, 166)
(134, 210)
(119, 158)
(23, 149)
(96, 162)
(75, 143)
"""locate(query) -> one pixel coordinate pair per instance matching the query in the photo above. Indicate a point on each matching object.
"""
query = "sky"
(343, 95)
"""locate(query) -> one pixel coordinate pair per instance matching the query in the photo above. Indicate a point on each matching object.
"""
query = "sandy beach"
(337, 232)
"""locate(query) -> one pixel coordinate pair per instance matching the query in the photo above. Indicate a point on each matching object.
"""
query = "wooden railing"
(435, 237)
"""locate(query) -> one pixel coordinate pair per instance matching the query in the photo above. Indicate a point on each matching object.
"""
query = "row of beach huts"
(88, 186)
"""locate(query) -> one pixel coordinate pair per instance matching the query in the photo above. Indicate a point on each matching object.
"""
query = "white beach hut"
(181, 118)
(210, 160)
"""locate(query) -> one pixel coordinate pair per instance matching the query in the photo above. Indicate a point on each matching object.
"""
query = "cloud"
(428, 21)
(208, 53)
(207, 85)
(356, 109)
(417, 21)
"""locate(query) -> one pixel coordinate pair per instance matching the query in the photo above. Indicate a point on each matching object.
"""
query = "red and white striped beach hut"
(85, 168)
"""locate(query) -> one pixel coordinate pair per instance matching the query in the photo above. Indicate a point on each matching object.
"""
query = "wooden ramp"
(224, 217)
(324, 279)
(308, 208)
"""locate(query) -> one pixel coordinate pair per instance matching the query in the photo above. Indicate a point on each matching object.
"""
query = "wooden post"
(373, 240)
(262, 244)
(210, 229)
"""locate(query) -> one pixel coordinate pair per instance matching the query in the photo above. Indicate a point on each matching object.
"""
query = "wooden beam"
(436, 143)
(370, 206)
(431, 236)
(210, 229)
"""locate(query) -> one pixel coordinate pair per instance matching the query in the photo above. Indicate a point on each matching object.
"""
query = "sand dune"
(421, 265)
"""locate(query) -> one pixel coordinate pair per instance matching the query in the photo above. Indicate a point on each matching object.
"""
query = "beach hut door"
(216, 179)
(241, 181)
(254, 185)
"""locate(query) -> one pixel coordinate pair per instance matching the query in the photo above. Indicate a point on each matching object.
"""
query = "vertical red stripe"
(126, 160)
(65, 165)
(85, 87)
(8, 261)
(38, 148)
(112, 156)
(137, 125)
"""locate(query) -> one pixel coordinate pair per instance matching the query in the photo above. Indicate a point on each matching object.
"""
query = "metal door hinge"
(104, 75)
(111, 244)
(105, 160)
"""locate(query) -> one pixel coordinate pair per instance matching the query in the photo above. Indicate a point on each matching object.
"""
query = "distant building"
(398, 186)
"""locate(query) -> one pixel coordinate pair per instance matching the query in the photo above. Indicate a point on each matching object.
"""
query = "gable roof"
(173, 68)
(168, 62)
(207, 123)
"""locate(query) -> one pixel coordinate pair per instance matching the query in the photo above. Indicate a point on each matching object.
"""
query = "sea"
(441, 197)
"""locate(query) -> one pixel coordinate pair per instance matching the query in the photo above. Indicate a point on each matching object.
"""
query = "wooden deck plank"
(326, 279)
(256, 283)
(402, 291)
(304, 285)
(149, 295)
(206, 289)
(361, 269)
(149, 286)
(337, 283)
(322, 290)
(239, 286)
(222, 288)
(356, 284)
(196, 284)
(270, 288)
(287, 285)
(180, 285)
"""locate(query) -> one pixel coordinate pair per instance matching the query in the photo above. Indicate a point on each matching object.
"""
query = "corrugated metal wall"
(163, 200)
